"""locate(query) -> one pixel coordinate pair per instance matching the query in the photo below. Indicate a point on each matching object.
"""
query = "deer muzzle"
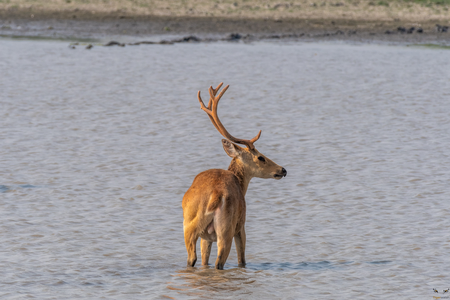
(282, 173)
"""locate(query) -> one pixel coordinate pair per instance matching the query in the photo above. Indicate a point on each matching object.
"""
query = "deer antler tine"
(207, 110)
(256, 137)
(217, 88)
(222, 92)
(212, 93)
(202, 105)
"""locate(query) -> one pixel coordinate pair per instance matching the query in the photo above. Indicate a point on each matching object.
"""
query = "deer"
(214, 207)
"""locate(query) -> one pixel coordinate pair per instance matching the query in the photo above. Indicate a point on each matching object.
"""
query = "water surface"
(99, 146)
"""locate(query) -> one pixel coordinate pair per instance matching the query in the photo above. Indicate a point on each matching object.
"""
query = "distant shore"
(324, 20)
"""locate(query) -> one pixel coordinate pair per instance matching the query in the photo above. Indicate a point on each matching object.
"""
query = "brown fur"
(214, 205)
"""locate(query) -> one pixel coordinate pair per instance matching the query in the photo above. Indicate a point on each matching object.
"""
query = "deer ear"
(231, 149)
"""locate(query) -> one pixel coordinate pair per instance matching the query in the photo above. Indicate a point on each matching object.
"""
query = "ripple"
(292, 266)
(99, 146)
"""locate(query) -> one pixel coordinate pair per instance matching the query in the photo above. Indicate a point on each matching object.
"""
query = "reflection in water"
(206, 279)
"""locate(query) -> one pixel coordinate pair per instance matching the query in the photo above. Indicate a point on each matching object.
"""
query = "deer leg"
(223, 250)
(206, 251)
(239, 239)
(190, 239)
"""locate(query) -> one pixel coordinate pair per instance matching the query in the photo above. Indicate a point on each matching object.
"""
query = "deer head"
(250, 161)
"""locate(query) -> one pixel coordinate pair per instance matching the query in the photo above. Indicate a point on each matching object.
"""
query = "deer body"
(214, 206)
(214, 209)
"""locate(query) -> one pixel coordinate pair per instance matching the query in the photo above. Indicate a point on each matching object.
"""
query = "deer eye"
(261, 158)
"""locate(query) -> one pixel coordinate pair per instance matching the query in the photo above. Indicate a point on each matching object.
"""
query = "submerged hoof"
(191, 263)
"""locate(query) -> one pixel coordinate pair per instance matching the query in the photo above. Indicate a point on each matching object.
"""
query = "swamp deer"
(214, 205)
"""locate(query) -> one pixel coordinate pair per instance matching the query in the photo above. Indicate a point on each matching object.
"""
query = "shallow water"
(98, 148)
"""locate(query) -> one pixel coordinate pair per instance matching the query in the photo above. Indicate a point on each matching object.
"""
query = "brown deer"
(214, 205)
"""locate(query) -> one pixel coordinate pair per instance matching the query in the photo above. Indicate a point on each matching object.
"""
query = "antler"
(211, 110)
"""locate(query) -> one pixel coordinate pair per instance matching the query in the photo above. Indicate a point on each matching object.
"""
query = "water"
(98, 148)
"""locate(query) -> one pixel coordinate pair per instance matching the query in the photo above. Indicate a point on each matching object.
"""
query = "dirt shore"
(329, 20)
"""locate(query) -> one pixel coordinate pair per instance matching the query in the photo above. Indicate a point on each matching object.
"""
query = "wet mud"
(248, 38)
(169, 30)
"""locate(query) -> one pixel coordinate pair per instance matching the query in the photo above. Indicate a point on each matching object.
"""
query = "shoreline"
(105, 27)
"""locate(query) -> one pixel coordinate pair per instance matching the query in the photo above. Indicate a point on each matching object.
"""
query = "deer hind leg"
(223, 250)
(190, 239)
(206, 251)
(224, 240)
(240, 239)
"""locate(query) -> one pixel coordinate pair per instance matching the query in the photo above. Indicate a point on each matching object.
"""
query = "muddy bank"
(157, 29)
(101, 27)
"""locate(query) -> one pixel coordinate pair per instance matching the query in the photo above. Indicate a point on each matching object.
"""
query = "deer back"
(211, 190)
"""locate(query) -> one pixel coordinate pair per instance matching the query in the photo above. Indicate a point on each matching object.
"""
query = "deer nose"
(284, 172)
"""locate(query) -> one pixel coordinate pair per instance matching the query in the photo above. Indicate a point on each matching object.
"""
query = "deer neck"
(238, 169)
